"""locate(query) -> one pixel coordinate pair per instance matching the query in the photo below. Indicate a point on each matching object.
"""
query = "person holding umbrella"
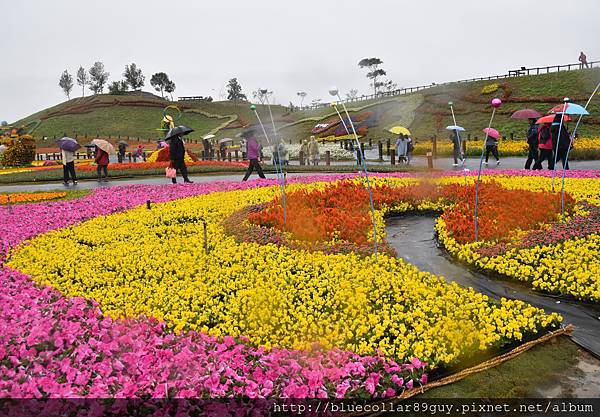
(491, 144)
(68, 146)
(455, 138)
(532, 142)
(545, 146)
(253, 154)
(177, 151)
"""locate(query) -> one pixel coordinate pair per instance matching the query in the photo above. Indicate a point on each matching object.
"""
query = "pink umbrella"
(493, 133)
(525, 114)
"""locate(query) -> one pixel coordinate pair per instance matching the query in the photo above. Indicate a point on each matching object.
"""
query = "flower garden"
(105, 297)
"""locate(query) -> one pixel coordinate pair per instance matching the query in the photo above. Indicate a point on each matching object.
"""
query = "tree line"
(96, 79)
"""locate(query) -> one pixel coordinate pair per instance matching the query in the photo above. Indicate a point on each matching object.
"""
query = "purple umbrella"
(525, 114)
(68, 144)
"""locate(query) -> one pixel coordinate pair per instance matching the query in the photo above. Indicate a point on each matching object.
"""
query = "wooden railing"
(511, 73)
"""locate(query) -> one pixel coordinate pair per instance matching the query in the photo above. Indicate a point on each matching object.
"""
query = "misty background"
(284, 46)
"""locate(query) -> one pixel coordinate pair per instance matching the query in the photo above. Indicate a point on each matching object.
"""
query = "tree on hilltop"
(160, 81)
(134, 77)
(302, 95)
(372, 64)
(170, 88)
(66, 83)
(98, 77)
(234, 91)
(118, 88)
(82, 79)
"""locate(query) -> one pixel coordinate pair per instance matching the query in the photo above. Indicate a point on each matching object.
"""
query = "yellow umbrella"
(397, 130)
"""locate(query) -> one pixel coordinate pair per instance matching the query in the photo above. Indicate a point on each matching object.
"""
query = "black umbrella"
(178, 131)
(122, 142)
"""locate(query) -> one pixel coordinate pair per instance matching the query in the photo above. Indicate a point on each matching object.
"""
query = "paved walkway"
(440, 163)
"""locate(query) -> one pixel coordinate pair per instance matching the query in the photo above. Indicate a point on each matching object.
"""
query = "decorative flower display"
(105, 297)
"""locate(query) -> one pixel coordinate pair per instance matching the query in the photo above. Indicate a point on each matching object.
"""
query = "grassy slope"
(426, 113)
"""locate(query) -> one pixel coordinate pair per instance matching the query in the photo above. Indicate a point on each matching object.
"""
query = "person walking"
(303, 155)
(532, 142)
(254, 149)
(68, 161)
(561, 147)
(455, 138)
(313, 151)
(410, 147)
(177, 157)
(545, 147)
(401, 148)
(101, 160)
(491, 146)
(583, 60)
(121, 152)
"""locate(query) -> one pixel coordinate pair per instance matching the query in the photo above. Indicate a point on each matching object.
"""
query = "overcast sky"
(306, 45)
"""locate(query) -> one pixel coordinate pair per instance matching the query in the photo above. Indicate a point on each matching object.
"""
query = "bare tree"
(82, 79)
(262, 95)
(352, 93)
(66, 83)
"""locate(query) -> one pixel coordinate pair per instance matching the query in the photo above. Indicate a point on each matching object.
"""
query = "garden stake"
(148, 204)
(462, 154)
(495, 104)
(283, 202)
(562, 191)
(279, 175)
(334, 92)
(205, 237)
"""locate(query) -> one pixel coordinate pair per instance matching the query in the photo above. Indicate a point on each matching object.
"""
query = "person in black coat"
(177, 156)
(532, 141)
(561, 146)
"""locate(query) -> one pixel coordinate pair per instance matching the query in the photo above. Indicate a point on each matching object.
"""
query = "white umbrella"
(225, 140)
(455, 127)
(208, 137)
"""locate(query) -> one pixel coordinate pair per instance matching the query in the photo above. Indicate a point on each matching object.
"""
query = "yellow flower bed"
(152, 262)
(585, 148)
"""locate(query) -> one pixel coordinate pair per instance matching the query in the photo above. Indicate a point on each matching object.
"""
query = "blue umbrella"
(455, 127)
(68, 144)
(569, 108)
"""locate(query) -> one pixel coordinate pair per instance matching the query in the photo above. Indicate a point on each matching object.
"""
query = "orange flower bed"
(341, 211)
(29, 197)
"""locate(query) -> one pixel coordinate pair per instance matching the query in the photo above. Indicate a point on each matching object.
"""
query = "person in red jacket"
(102, 162)
(545, 147)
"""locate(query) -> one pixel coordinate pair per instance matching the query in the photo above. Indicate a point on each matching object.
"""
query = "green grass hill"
(425, 113)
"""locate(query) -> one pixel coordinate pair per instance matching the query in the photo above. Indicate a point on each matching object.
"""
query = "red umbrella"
(493, 133)
(550, 119)
(526, 114)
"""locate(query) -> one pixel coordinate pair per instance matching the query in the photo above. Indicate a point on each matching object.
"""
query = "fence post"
(129, 157)
(327, 158)
(380, 148)
(301, 156)
(388, 147)
(434, 146)
(358, 156)
(512, 135)
(370, 142)
(429, 160)
(464, 147)
(393, 156)
(236, 155)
